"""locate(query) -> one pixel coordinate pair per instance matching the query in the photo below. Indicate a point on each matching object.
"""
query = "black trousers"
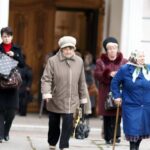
(109, 127)
(6, 119)
(23, 106)
(54, 129)
(135, 145)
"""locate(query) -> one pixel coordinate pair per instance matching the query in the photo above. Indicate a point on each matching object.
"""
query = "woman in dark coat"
(90, 81)
(135, 98)
(9, 98)
(106, 67)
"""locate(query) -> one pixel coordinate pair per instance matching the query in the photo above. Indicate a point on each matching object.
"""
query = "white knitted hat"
(67, 41)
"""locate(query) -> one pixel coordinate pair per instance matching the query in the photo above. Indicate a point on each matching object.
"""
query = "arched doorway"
(37, 26)
(80, 23)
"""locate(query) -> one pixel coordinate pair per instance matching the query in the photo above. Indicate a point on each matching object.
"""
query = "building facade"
(38, 24)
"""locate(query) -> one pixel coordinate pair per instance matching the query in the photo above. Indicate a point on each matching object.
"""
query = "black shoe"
(133, 146)
(118, 140)
(108, 142)
(138, 144)
(6, 138)
(1, 140)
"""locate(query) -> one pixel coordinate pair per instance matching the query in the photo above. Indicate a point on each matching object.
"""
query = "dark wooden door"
(38, 24)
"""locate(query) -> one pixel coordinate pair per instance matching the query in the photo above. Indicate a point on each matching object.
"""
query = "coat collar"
(63, 58)
(131, 68)
(135, 71)
(14, 47)
(117, 61)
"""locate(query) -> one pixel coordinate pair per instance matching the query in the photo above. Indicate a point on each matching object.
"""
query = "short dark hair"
(6, 30)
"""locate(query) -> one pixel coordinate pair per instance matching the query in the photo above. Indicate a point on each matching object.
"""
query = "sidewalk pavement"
(30, 133)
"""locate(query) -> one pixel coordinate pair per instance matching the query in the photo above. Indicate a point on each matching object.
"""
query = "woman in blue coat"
(134, 80)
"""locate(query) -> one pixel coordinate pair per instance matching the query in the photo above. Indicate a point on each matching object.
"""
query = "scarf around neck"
(7, 47)
(144, 68)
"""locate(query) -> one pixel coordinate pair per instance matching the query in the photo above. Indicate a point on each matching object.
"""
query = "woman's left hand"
(10, 53)
(113, 73)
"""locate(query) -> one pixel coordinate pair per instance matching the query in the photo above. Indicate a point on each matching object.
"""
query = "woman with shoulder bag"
(8, 97)
(106, 68)
(63, 88)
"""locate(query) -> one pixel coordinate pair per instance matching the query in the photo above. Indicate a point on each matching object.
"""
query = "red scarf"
(7, 47)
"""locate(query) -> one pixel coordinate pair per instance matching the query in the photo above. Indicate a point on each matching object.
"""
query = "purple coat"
(103, 68)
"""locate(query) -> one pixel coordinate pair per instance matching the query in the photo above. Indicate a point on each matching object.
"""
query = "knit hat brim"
(109, 40)
(66, 41)
(68, 44)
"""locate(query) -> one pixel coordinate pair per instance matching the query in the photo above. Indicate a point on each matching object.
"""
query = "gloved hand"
(82, 105)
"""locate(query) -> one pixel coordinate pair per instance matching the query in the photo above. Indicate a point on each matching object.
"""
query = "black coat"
(9, 98)
(26, 74)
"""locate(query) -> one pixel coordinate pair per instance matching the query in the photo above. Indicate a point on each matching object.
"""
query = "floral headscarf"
(134, 56)
(144, 68)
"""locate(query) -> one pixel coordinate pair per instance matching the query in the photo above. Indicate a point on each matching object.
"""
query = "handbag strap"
(77, 122)
(82, 112)
(84, 118)
(80, 117)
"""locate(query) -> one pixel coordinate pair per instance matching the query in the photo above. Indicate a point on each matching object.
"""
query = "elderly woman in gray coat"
(63, 87)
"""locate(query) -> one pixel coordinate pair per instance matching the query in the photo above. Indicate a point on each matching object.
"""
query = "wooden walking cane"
(41, 109)
(116, 125)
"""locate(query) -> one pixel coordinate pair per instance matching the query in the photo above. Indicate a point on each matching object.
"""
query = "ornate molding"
(40, 30)
(83, 4)
(31, 4)
(20, 26)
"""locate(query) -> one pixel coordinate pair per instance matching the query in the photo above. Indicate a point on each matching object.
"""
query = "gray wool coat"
(63, 82)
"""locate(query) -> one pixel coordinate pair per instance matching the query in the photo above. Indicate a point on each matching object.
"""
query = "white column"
(106, 19)
(113, 18)
(4, 13)
(131, 32)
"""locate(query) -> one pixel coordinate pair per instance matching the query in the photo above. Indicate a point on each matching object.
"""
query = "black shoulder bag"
(109, 103)
(81, 130)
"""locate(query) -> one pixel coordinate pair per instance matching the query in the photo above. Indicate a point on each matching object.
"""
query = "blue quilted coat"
(135, 100)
